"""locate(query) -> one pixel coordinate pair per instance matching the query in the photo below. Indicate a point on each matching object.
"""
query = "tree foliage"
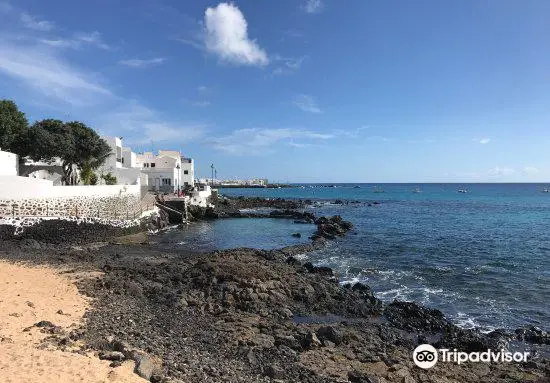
(74, 143)
(109, 179)
(13, 128)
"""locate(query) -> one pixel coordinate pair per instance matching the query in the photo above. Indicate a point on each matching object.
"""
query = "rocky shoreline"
(247, 315)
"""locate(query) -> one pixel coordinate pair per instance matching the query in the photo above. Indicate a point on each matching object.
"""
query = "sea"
(478, 252)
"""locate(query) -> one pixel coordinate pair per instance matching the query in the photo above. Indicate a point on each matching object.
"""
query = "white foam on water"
(351, 281)
(465, 321)
(402, 294)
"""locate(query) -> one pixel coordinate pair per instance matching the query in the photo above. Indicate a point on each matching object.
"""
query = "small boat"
(546, 190)
(357, 187)
(462, 191)
(417, 190)
(377, 189)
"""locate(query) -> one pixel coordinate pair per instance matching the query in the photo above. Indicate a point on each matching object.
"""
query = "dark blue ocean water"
(482, 257)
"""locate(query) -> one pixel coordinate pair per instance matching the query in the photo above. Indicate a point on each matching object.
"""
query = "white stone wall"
(28, 197)
(8, 164)
(199, 197)
(127, 176)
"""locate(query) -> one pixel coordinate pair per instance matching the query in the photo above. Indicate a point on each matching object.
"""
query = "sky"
(296, 90)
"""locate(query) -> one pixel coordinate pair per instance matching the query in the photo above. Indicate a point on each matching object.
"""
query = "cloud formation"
(93, 38)
(258, 141)
(306, 103)
(483, 141)
(78, 40)
(32, 22)
(226, 35)
(138, 63)
(146, 126)
(41, 70)
(530, 170)
(313, 6)
(288, 65)
(501, 171)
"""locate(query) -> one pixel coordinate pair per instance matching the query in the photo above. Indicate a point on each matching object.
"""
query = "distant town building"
(255, 182)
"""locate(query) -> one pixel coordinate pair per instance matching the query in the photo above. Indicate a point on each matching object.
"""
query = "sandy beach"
(31, 294)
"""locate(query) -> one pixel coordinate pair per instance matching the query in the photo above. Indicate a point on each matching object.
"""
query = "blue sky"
(303, 91)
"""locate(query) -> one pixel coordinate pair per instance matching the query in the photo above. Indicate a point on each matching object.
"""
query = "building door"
(157, 184)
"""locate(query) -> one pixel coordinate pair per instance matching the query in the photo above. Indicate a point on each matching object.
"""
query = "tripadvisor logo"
(426, 356)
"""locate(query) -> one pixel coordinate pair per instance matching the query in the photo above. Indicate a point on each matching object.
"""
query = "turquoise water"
(258, 233)
(482, 257)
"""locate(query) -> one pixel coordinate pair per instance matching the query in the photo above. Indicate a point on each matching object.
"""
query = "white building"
(122, 164)
(167, 171)
(187, 172)
(8, 164)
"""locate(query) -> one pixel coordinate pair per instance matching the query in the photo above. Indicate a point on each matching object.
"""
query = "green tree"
(109, 179)
(77, 145)
(13, 128)
(88, 176)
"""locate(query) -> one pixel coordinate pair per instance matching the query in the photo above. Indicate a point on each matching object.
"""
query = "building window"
(152, 164)
(167, 181)
(122, 159)
(146, 165)
(186, 172)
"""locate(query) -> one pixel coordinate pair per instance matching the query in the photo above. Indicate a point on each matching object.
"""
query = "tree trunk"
(68, 173)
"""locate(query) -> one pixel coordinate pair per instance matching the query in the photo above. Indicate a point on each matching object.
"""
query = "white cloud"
(202, 90)
(379, 138)
(32, 22)
(201, 100)
(260, 140)
(299, 145)
(54, 82)
(201, 104)
(530, 170)
(77, 41)
(93, 38)
(306, 103)
(226, 35)
(501, 171)
(42, 71)
(483, 141)
(351, 133)
(61, 43)
(138, 63)
(289, 64)
(146, 126)
(313, 6)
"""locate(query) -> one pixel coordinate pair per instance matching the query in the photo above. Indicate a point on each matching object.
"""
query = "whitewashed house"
(167, 171)
(187, 172)
(122, 163)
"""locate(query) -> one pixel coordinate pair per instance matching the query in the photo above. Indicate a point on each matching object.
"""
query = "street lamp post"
(212, 167)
